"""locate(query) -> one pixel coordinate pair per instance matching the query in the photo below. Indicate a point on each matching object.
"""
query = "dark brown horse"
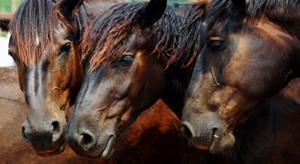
(145, 54)
(269, 135)
(246, 61)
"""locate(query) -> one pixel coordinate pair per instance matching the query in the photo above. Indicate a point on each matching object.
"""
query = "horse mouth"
(51, 152)
(109, 148)
(209, 144)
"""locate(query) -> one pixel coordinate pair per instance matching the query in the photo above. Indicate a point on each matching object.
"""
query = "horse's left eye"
(9, 53)
(127, 58)
(66, 47)
(216, 43)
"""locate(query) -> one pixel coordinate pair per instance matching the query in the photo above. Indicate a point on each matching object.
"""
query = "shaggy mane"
(177, 33)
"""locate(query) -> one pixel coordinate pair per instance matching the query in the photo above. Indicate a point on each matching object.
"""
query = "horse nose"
(186, 130)
(50, 131)
(86, 140)
(83, 140)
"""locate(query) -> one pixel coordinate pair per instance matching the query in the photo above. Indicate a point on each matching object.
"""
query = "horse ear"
(153, 11)
(4, 20)
(239, 10)
(240, 5)
(69, 7)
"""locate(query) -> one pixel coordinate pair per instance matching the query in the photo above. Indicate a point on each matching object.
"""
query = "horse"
(46, 52)
(267, 135)
(247, 60)
(51, 76)
(134, 54)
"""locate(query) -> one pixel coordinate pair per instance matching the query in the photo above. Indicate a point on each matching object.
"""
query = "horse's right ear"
(4, 20)
(240, 6)
(69, 7)
(153, 11)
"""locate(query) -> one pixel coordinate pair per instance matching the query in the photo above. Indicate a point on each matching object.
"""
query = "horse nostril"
(57, 131)
(25, 137)
(186, 132)
(86, 139)
(55, 125)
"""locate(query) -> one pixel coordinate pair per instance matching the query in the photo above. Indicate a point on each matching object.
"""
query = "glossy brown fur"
(154, 137)
(246, 61)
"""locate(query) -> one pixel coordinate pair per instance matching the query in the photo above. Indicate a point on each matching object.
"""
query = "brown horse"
(269, 135)
(44, 44)
(246, 61)
(136, 53)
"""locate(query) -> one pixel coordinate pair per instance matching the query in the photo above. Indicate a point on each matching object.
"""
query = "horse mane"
(215, 9)
(177, 33)
(256, 7)
(33, 21)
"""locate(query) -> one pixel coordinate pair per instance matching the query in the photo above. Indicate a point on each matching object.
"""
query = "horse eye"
(216, 42)
(127, 58)
(66, 47)
(9, 53)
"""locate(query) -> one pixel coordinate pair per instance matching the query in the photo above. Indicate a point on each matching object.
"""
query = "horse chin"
(51, 152)
(106, 152)
(221, 143)
(109, 148)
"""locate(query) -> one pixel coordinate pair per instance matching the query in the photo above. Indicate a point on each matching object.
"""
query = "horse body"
(244, 62)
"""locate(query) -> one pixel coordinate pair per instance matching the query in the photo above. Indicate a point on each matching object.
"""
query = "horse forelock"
(33, 29)
(108, 33)
(215, 9)
(176, 32)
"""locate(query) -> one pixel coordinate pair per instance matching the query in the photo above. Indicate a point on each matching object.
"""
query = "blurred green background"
(9, 5)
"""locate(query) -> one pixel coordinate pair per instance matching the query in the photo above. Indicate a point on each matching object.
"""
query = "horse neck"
(285, 14)
(177, 80)
(291, 26)
(184, 45)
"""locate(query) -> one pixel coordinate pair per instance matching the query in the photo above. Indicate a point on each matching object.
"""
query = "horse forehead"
(61, 30)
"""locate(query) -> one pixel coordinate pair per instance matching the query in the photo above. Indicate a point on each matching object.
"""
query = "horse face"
(111, 94)
(48, 69)
(115, 91)
(239, 67)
